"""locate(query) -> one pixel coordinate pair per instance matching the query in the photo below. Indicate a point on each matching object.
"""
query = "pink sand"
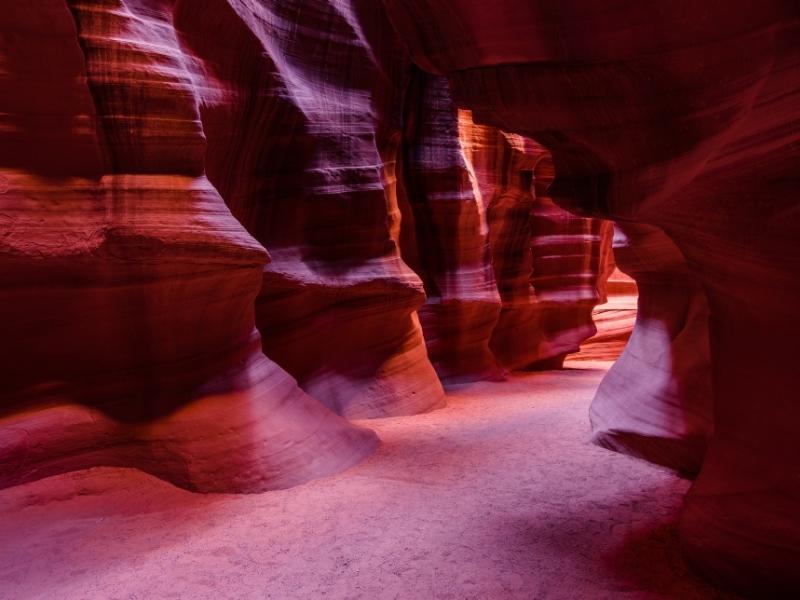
(499, 495)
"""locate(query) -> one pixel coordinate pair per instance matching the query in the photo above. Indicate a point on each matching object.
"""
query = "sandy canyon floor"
(499, 495)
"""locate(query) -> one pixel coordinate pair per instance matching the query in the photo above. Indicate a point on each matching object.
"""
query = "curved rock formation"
(572, 260)
(684, 118)
(302, 148)
(548, 264)
(504, 179)
(127, 300)
(445, 236)
(511, 278)
(128, 285)
(655, 401)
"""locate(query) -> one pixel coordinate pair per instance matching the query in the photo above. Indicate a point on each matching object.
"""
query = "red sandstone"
(228, 227)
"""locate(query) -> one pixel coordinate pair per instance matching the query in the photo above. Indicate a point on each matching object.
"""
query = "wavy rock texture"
(655, 401)
(303, 149)
(127, 300)
(511, 279)
(445, 236)
(572, 261)
(549, 265)
(129, 285)
(684, 118)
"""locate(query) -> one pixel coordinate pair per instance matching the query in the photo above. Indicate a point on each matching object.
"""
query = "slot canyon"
(399, 299)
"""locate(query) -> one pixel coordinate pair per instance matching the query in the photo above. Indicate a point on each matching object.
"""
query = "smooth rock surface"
(655, 401)
(683, 117)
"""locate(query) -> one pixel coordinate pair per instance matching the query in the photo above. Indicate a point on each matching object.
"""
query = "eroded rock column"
(446, 236)
(682, 119)
(128, 287)
(655, 402)
(303, 148)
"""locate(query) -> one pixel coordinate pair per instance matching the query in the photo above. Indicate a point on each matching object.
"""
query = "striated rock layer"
(572, 261)
(511, 279)
(129, 286)
(683, 118)
(303, 147)
(126, 307)
(445, 235)
(549, 265)
(504, 181)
